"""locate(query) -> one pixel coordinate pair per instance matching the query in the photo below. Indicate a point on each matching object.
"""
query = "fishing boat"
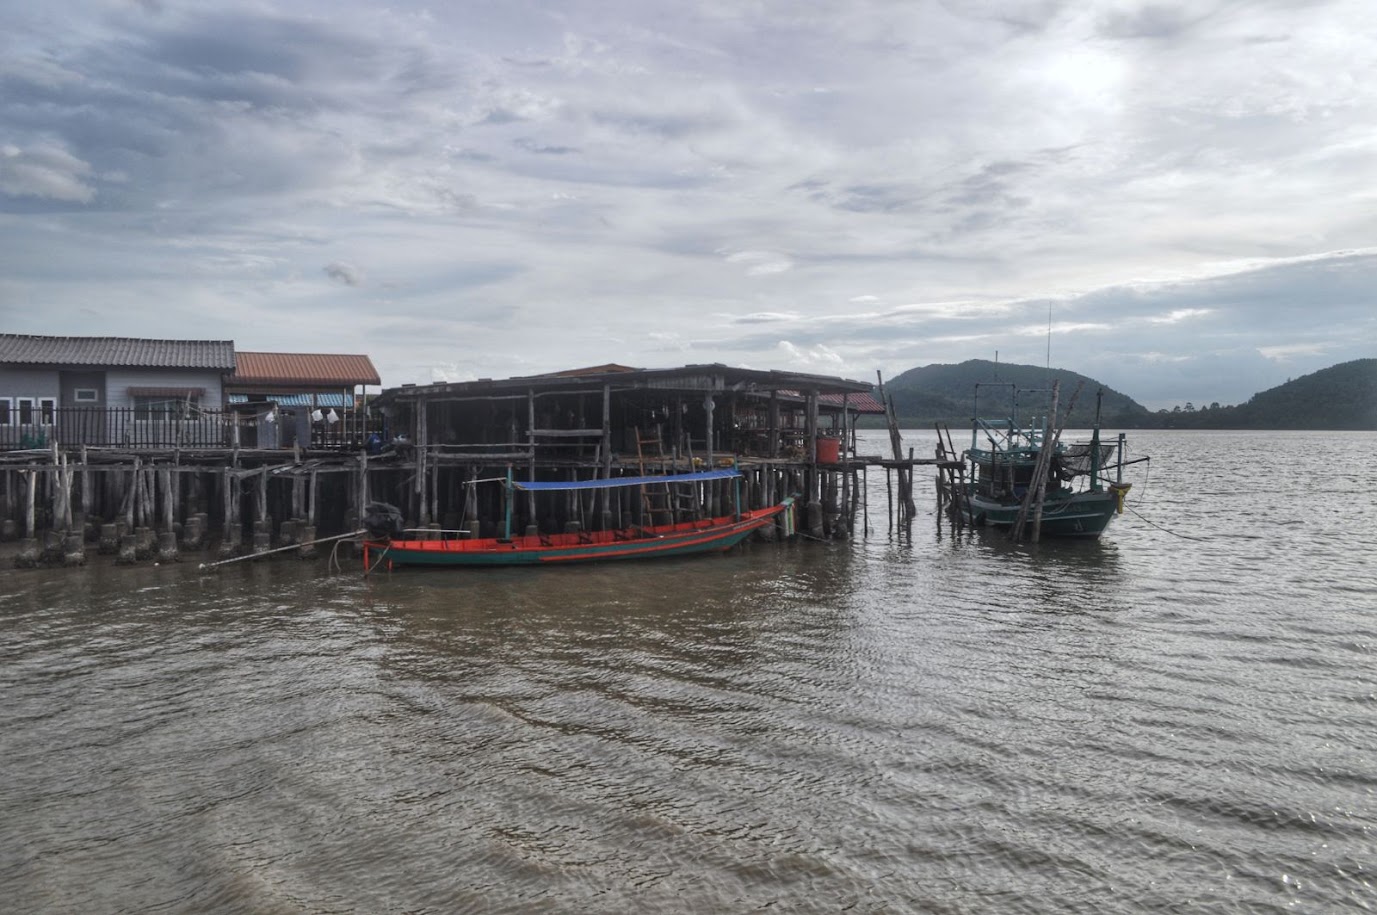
(1024, 478)
(388, 545)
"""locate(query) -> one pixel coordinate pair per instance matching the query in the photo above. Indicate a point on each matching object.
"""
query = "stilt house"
(613, 420)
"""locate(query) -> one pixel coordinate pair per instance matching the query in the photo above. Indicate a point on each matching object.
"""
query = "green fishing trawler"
(1025, 479)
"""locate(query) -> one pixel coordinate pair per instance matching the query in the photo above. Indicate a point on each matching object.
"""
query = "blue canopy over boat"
(696, 477)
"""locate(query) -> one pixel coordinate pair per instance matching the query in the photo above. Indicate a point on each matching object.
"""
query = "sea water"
(1180, 716)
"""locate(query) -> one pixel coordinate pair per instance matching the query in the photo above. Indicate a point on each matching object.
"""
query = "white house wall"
(29, 382)
(119, 381)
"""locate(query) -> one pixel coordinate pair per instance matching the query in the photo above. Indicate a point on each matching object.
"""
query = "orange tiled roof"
(316, 369)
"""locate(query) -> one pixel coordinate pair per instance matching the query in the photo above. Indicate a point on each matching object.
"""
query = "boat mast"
(1095, 443)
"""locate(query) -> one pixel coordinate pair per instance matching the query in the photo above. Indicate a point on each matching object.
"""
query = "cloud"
(811, 357)
(1179, 315)
(45, 171)
(344, 273)
(761, 263)
(877, 185)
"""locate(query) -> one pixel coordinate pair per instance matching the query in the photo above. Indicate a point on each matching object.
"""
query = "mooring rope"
(292, 546)
(1166, 530)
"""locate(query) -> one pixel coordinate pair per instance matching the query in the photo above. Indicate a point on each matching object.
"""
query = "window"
(162, 407)
(47, 410)
(6, 412)
(24, 407)
(86, 395)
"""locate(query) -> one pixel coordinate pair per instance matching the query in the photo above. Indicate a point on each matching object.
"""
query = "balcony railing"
(136, 429)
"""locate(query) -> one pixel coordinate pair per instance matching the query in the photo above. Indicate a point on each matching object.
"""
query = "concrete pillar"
(231, 544)
(145, 542)
(308, 547)
(129, 550)
(262, 536)
(74, 550)
(27, 558)
(167, 546)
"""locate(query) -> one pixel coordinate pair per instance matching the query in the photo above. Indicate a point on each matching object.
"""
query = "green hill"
(945, 393)
(1340, 397)
(1343, 396)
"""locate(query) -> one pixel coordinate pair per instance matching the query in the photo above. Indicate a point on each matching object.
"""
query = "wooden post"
(312, 495)
(363, 484)
(422, 441)
(31, 491)
(773, 449)
(678, 427)
(606, 494)
(61, 495)
(434, 513)
(471, 523)
(845, 520)
(85, 487)
(128, 505)
(141, 513)
(227, 493)
(708, 444)
(298, 509)
(889, 497)
(165, 478)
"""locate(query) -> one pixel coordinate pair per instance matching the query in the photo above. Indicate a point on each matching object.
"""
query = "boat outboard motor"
(382, 521)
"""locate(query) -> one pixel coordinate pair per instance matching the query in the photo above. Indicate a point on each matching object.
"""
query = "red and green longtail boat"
(636, 542)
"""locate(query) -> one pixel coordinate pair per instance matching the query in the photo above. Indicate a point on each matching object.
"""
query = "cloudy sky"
(1187, 191)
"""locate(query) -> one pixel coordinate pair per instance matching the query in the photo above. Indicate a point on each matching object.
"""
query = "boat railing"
(1004, 434)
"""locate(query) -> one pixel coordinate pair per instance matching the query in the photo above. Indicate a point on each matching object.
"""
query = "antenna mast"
(1049, 336)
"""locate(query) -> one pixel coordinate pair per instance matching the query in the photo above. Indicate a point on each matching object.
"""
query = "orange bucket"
(829, 450)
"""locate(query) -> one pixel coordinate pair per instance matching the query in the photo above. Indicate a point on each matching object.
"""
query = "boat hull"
(1083, 514)
(688, 538)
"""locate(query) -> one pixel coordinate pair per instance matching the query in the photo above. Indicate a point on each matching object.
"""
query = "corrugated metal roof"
(689, 378)
(860, 403)
(855, 402)
(610, 368)
(117, 351)
(305, 369)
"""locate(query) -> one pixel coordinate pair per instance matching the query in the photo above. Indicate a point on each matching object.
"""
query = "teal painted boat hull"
(1083, 514)
(689, 538)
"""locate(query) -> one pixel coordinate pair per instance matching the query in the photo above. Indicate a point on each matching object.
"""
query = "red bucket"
(829, 450)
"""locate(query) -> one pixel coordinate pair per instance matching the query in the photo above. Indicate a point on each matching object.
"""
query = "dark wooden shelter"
(788, 432)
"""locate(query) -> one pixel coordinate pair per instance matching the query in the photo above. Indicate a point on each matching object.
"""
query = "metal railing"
(139, 429)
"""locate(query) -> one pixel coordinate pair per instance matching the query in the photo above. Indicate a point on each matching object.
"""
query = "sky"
(1178, 199)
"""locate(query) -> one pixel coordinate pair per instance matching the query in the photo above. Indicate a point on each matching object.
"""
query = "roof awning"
(299, 400)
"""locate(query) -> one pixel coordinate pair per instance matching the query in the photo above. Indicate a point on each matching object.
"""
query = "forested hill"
(1340, 397)
(1343, 396)
(945, 393)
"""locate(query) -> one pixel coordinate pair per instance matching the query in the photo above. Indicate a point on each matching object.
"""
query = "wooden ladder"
(655, 498)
